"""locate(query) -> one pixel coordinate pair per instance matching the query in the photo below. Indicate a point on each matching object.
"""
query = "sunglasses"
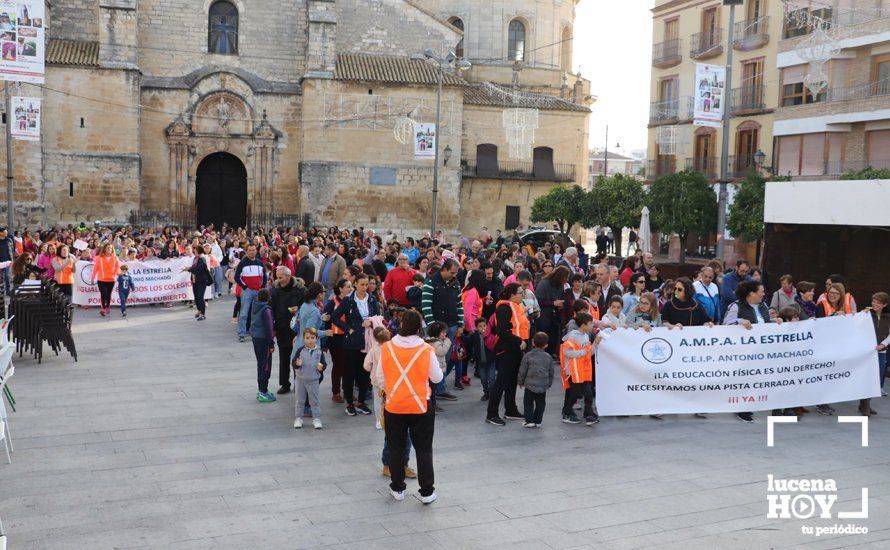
(679, 289)
(640, 282)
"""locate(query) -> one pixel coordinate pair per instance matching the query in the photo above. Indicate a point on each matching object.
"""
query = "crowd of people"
(402, 326)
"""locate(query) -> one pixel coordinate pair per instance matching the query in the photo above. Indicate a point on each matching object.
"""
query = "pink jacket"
(370, 342)
(472, 308)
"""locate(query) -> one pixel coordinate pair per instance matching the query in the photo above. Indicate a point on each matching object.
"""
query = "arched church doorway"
(221, 191)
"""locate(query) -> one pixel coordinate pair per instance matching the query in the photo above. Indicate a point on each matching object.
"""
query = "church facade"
(262, 111)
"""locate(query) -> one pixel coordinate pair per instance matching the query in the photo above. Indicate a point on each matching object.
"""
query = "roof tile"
(383, 68)
(490, 95)
(72, 53)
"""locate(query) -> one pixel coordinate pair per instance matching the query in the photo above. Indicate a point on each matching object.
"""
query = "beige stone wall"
(390, 27)
(484, 202)
(73, 19)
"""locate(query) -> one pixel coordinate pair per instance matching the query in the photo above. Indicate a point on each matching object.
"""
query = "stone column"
(322, 49)
(117, 34)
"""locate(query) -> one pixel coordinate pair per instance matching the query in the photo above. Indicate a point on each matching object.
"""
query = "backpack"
(492, 339)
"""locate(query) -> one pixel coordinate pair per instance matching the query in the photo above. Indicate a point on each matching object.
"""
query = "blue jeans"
(247, 298)
(218, 278)
(384, 457)
(123, 298)
(487, 371)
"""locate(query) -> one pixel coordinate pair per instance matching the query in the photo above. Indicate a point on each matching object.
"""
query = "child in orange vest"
(576, 367)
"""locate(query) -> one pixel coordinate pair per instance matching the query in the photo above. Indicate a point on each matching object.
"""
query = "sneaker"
(446, 397)
(316, 423)
(200, 318)
(362, 408)
(528, 424)
(298, 423)
(378, 426)
(700, 415)
(570, 419)
(283, 390)
(386, 471)
(459, 386)
(439, 409)
(496, 421)
(591, 420)
(514, 416)
(429, 499)
(398, 495)
(240, 338)
(409, 473)
(123, 313)
(265, 397)
(350, 410)
(465, 381)
(745, 417)
(336, 398)
(883, 393)
(823, 410)
(484, 396)
(102, 312)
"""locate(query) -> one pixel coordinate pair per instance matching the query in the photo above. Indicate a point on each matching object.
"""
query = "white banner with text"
(154, 282)
(731, 369)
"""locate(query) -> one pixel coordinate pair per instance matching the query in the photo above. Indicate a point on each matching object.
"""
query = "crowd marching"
(402, 326)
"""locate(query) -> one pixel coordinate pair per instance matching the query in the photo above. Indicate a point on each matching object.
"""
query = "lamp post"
(727, 113)
(440, 63)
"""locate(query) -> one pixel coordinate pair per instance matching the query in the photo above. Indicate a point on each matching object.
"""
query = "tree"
(867, 174)
(682, 203)
(745, 219)
(616, 202)
(563, 205)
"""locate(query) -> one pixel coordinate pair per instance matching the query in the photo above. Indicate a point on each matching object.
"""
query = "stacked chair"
(42, 314)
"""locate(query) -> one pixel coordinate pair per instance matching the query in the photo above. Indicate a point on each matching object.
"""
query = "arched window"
(516, 41)
(223, 29)
(458, 23)
(566, 49)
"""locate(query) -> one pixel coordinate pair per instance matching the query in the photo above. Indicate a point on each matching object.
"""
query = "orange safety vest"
(335, 330)
(406, 372)
(592, 309)
(829, 309)
(106, 268)
(580, 368)
(66, 275)
(519, 320)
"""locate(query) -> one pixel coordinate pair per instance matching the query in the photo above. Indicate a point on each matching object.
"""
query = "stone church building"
(259, 111)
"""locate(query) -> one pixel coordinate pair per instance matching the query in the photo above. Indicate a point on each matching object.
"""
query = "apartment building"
(846, 126)
(688, 32)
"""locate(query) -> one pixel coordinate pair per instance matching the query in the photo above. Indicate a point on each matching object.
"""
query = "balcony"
(709, 167)
(860, 91)
(750, 35)
(840, 18)
(741, 166)
(749, 98)
(666, 54)
(517, 170)
(660, 167)
(706, 44)
(671, 111)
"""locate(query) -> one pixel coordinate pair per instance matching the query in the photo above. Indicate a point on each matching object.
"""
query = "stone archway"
(221, 191)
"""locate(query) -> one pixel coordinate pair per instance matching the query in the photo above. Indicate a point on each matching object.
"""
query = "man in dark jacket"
(7, 254)
(305, 267)
(609, 288)
(287, 297)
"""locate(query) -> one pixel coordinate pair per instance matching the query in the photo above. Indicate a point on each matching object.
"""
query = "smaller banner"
(424, 140)
(154, 282)
(25, 118)
(730, 369)
(710, 95)
(22, 44)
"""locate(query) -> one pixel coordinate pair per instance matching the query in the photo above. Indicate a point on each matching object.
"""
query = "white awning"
(855, 202)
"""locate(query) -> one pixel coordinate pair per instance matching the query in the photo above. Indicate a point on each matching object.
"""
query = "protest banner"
(154, 282)
(730, 369)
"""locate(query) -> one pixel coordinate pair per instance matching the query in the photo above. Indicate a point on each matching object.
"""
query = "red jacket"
(396, 284)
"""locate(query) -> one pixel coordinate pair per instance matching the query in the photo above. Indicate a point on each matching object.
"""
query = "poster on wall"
(22, 44)
(710, 95)
(424, 140)
(25, 118)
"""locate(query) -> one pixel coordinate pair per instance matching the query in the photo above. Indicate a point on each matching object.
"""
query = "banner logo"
(86, 274)
(657, 350)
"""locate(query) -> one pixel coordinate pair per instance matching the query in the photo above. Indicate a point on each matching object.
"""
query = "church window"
(223, 23)
(516, 41)
(458, 23)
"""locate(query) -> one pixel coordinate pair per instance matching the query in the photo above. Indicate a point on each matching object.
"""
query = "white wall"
(855, 202)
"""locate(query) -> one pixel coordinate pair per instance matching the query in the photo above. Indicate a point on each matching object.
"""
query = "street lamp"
(440, 63)
(759, 159)
(447, 152)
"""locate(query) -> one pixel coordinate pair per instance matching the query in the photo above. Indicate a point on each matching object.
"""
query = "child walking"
(482, 355)
(308, 362)
(124, 286)
(536, 372)
(576, 368)
(263, 336)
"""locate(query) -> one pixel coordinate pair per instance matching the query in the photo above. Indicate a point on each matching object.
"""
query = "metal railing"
(666, 52)
(518, 170)
(838, 18)
(749, 97)
(660, 167)
(706, 43)
(751, 33)
(741, 166)
(671, 110)
(183, 216)
(709, 167)
(860, 91)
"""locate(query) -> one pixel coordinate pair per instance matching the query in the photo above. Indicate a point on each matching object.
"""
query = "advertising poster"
(710, 95)
(25, 118)
(22, 44)
(424, 141)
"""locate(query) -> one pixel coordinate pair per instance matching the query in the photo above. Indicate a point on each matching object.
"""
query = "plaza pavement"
(155, 439)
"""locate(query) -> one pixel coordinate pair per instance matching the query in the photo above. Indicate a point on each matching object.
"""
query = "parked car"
(537, 238)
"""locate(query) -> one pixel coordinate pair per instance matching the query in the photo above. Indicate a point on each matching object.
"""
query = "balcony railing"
(741, 166)
(666, 54)
(660, 167)
(709, 167)
(840, 18)
(518, 170)
(860, 91)
(706, 44)
(748, 98)
(751, 34)
(671, 110)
